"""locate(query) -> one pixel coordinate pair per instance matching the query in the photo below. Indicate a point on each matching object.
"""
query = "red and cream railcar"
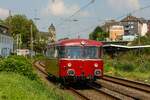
(75, 59)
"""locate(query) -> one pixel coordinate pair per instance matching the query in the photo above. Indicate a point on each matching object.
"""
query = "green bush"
(18, 64)
(144, 67)
(128, 67)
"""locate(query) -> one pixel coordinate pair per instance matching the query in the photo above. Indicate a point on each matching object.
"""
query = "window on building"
(131, 26)
(131, 23)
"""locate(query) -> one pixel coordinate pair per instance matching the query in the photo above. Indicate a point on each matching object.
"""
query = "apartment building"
(116, 32)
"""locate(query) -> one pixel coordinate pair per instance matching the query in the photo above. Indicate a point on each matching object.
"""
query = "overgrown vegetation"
(19, 65)
(145, 40)
(129, 65)
(133, 64)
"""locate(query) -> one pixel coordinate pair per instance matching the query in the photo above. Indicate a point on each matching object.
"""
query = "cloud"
(4, 13)
(121, 4)
(58, 8)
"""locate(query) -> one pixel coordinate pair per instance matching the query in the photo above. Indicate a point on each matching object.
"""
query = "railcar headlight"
(69, 64)
(82, 42)
(96, 65)
(71, 72)
(97, 72)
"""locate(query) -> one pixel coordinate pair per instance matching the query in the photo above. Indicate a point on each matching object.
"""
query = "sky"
(62, 13)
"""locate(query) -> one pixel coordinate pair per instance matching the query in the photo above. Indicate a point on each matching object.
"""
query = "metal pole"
(139, 43)
(10, 19)
(139, 50)
(17, 42)
(20, 41)
(31, 41)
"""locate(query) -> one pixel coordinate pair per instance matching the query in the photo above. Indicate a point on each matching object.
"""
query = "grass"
(16, 87)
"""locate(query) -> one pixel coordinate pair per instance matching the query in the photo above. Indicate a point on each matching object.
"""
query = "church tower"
(52, 33)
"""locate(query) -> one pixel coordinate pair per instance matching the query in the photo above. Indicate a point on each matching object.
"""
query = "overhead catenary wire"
(82, 8)
(76, 12)
(134, 11)
(90, 27)
(117, 18)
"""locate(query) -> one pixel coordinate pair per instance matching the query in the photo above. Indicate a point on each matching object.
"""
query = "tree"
(98, 34)
(41, 42)
(20, 24)
(144, 40)
(1, 21)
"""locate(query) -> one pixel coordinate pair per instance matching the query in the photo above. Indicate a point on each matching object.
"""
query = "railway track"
(109, 88)
(40, 67)
(113, 94)
(129, 83)
(79, 93)
(133, 89)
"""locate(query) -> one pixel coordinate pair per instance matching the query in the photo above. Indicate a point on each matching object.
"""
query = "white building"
(23, 52)
(6, 42)
(144, 29)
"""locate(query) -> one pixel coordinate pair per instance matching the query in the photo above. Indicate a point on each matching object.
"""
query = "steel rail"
(127, 87)
(103, 89)
(129, 83)
(40, 66)
(78, 93)
(110, 93)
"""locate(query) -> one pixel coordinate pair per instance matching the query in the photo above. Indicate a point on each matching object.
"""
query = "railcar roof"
(78, 42)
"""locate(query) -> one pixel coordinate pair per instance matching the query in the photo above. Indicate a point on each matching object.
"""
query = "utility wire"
(76, 12)
(134, 11)
(82, 8)
(117, 18)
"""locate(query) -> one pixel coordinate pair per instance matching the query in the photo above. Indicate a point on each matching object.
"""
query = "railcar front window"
(91, 52)
(79, 52)
(72, 52)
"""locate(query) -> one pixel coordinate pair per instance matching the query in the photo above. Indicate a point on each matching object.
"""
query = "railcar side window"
(61, 52)
(56, 53)
(50, 53)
